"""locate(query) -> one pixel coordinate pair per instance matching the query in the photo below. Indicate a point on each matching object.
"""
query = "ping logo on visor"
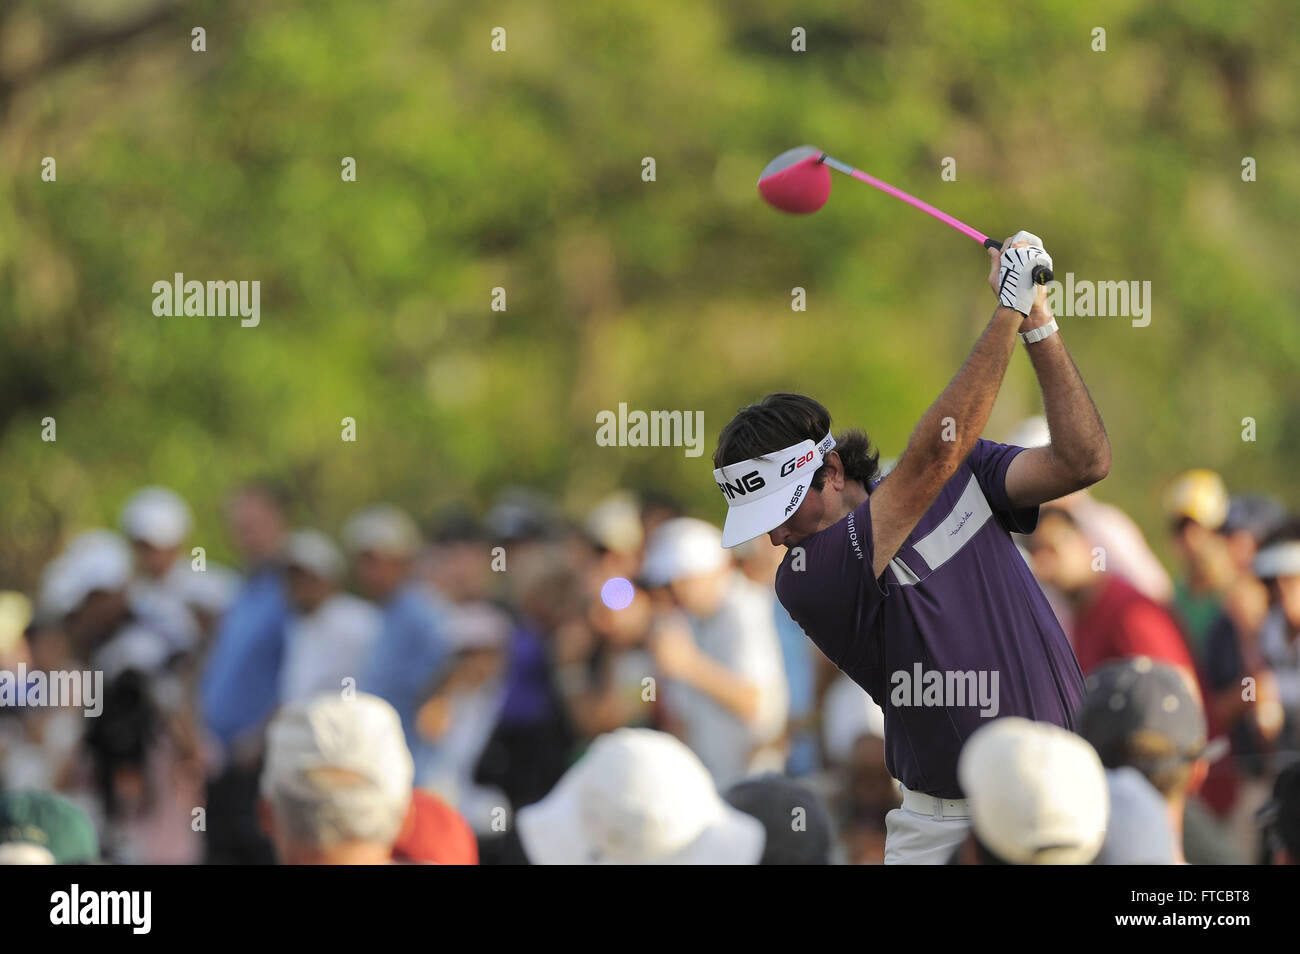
(763, 491)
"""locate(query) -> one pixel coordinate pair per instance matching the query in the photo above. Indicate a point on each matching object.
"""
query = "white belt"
(924, 804)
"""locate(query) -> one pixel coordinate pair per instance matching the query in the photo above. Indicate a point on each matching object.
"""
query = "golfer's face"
(803, 523)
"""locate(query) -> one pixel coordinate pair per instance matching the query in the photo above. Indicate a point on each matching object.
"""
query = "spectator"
(38, 746)
(157, 521)
(1145, 714)
(1037, 795)
(1251, 520)
(241, 682)
(336, 786)
(614, 528)
(1139, 831)
(1196, 506)
(1278, 565)
(434, 833)
(1128, 555)
(532, 744)
(333, 633)
(15, 616)
(1112, 620)
(795, 822)
(657, 508)
(758, 560)
(382, 540)
(240, 685)
(638, 797)
(603, 671)
(1281, 820)
(41, 828)
(853, 736)
(720, 653)
(1251, 720)
(142, 749)
(458, 718)
(458, 565)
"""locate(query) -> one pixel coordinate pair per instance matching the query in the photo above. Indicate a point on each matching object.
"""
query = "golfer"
(911, 584)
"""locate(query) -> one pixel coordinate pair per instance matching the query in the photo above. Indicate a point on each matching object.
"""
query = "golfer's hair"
(780, 420)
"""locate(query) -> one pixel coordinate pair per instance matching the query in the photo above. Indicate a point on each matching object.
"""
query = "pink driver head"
(796, 181)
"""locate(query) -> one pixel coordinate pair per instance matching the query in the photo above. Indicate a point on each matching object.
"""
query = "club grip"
(1041, 273)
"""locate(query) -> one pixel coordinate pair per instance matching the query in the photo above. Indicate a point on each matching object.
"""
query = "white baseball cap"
(682, 547)
(1031, 432)
(763, 492)
(1139, 832)
(94, 560)
(382, 528)
(477, 626)
(362, 735)
(1037, 792)
(615, 523)
(211, 590)
(314, 552)
(638, 797)
(157, 516)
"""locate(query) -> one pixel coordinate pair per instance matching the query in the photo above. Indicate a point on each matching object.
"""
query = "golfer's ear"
(834, 469)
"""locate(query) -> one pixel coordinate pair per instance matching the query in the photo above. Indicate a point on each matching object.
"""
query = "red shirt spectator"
(1120, 622)
(435, 833)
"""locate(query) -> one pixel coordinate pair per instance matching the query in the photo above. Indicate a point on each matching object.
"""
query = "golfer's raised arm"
(944, 437)
(1079, 453)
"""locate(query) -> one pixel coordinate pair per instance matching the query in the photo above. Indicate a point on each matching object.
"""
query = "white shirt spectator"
(741, 636)
(848, 713)
(328, 646)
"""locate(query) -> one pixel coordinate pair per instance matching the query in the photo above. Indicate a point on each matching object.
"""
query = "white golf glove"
(1016, 288)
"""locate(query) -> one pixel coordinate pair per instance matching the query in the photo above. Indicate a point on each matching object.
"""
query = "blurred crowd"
(518, 686)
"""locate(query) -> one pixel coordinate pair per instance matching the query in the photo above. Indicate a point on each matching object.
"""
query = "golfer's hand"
(1040, 314)
(1011, 274)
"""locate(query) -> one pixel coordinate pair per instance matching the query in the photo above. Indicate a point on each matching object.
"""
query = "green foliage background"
(523, 169)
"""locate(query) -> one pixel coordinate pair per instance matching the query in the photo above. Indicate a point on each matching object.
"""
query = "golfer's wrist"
(1035, 319)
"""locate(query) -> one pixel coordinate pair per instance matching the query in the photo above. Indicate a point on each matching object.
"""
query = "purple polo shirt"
(954, 633)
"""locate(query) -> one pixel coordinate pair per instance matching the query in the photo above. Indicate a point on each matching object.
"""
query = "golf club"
(798, 181)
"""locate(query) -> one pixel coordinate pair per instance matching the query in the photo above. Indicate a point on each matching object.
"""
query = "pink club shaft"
(909, 199)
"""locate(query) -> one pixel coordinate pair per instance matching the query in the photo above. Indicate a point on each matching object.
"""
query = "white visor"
(1281, 559)
(763, 492)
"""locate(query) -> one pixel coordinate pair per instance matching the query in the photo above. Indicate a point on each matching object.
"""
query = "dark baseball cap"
(797, 824)
(1257, 514)
(49, 822)
(1142, 713)
(1281, 816)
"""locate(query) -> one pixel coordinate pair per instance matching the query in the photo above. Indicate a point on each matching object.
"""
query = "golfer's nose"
(778, 536)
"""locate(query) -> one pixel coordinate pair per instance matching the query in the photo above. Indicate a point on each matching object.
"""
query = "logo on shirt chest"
(956, 530)
(970, 512)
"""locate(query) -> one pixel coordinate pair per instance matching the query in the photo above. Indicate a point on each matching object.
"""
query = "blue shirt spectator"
(411, 647)
(240, 685)
(802, 759)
